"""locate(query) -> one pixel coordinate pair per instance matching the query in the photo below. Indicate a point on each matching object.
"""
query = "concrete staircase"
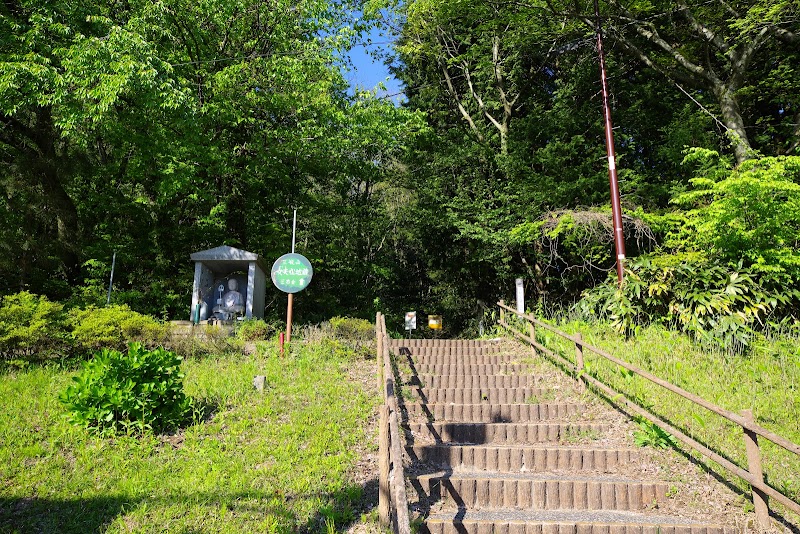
(494, 447)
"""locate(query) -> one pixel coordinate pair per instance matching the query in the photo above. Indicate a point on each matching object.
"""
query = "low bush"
(255, 330)
(30, 325)
(359, 334)
(134, 392)
(350, 329)
(114, 327)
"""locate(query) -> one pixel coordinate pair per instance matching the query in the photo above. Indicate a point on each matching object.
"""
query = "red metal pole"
(616, 208)
(289, 314)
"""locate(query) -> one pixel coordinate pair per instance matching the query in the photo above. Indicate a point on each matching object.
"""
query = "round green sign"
(292, 273)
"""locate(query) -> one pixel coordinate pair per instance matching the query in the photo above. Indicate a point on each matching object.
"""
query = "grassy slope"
(275, 462)
(767, 380)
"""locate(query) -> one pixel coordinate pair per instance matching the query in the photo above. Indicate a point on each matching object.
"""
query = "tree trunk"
(66, 219)
(732, 118)
(47, 164)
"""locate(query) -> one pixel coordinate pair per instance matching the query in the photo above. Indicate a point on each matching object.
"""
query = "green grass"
(766, 380)
(271, 462)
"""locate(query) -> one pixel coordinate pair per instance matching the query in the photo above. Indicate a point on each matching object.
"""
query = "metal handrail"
(754, 475)
(392, 500)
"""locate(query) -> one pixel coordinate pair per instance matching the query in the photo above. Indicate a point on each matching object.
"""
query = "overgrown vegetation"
(729, 265)
(720, 305)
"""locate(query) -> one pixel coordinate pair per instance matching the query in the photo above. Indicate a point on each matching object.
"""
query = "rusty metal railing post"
(579, 366)
(760, 500)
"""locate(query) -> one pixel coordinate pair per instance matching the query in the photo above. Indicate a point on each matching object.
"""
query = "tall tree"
(159, 128)
(711, 47)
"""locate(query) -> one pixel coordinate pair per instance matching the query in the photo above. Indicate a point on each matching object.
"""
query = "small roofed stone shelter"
(213, 272)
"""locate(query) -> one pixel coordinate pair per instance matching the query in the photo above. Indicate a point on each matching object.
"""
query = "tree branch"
(702, 30)
(464, 113)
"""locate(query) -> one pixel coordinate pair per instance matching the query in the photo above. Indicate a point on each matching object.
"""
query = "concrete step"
(482, 491)
(437, 352)
(483, 433)
(417, 343)
(521, 459)
(472, 369)
(473, 381)
(564, 522)
(478, 395)
(462, 358)
(491, 413)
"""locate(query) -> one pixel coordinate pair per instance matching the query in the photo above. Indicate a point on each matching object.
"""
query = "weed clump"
(358, 334)
(651, 435)
(134, 392)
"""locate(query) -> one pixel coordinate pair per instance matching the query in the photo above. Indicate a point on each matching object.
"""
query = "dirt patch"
(364, 473)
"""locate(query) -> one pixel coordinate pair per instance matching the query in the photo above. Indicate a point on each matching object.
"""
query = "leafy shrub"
(359, 334)
(350, 329)
(138, 391)
(114, 327)
(30, 324)
(719, 304)
(255, 330)
(751, 212)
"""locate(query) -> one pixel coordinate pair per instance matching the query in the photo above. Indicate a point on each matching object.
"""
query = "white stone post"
(520, 296)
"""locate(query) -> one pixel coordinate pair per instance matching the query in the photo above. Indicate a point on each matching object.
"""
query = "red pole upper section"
(616, 208)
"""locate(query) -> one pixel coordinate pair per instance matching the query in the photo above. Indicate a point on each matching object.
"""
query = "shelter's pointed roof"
(224, 252)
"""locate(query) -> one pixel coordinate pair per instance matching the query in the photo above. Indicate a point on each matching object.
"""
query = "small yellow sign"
(435, 322)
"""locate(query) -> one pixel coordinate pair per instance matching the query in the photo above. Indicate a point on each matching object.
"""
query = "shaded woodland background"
(157, 129)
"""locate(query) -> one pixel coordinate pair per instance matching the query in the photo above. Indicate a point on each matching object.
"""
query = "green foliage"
(352, 329)
(30, 324)
(751, 212)
(255, 330)
(134, 392)
(651, 435)
(113, 327)
(91, 97)
(718, 304)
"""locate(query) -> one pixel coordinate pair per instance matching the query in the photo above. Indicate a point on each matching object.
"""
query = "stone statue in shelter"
(232, 302)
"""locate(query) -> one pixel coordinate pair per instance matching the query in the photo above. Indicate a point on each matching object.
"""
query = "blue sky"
(367, 72)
